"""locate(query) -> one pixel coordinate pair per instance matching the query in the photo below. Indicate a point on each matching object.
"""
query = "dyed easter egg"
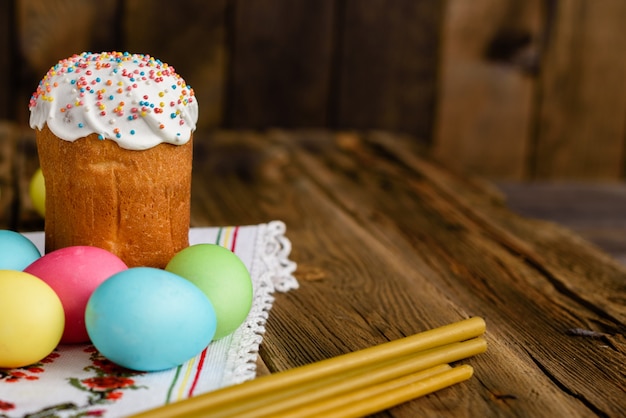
(149, 319)
(37, 191)
(74, 273)
(223, 277)
(31, 319)
(16, 251)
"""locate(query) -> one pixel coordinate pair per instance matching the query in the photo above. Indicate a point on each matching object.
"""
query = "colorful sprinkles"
(120, 89)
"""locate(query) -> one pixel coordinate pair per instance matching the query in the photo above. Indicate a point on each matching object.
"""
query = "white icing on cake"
(132, 99)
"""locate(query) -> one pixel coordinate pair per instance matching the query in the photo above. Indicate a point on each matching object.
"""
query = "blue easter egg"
(149, 319)
(16, 251)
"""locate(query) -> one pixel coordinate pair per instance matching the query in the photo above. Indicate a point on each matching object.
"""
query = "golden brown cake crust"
(135, 204)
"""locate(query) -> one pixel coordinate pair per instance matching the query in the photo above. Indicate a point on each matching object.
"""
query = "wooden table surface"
(389, 244)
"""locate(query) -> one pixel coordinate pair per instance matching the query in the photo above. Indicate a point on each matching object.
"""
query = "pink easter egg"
(74, 273)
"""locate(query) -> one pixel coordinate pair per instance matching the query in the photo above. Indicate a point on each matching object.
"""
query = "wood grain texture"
(582, 120)
(484, 121)
(593, 210)
(387, 65)
(191, 38)
(404, 245)
(281, 63)
(7, 75)
(51, 30)
(483, 268)
(8, 138)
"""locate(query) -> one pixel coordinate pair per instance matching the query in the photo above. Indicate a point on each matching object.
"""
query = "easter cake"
(114, 135)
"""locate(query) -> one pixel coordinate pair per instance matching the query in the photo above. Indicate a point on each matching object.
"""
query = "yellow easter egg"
(37, 191)
(31, 319)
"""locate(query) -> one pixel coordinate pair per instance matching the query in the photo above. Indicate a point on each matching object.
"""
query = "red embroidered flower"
(113, 396)
(6, 406)
(107, 382)
(50, 357)
(108, 367)
(95, 413)
(25, 373)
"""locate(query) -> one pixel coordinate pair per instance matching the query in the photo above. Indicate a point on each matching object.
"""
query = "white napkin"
(75, 380)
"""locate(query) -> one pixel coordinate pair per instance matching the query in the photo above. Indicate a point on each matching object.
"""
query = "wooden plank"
(259, 166)
(7, 75)
(51, 30)
(596, 211)
(25, 163)
(468, 246)
(388, 57)
(281, 64)
(191, 39)
(520, 236)
(18, 162)
(8, 139)
(485, 106)
(582, 121)
(431, 247)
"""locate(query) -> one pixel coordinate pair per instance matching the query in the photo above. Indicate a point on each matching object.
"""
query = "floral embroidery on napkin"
(107, 385)
(109, 382)
(30, 372)
(6, 406)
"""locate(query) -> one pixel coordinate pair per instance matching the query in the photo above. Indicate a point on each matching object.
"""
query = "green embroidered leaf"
(76, 383)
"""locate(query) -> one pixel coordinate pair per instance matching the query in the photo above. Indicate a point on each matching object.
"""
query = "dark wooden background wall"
(507, 89)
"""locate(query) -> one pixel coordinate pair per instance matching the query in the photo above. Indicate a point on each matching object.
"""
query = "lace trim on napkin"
(275, 271)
